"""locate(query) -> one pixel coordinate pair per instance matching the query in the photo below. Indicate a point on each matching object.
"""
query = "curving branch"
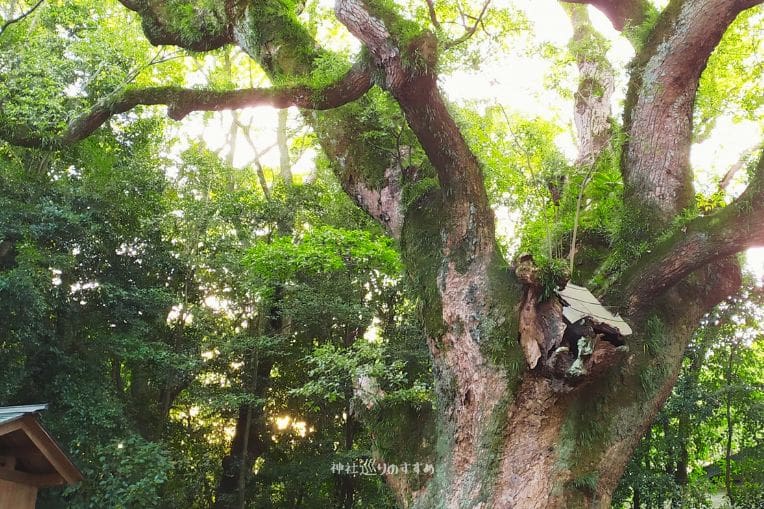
(272, 36)
(448, 238)
(620, 12)
(741, 163)
(182, 101)
(409, 72)
(213, 29)
(20, 17)
(433, 15)
(470, 31)
(660, 99)
(728, 231)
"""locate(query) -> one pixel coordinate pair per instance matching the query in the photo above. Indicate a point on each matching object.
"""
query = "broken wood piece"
(531, 336)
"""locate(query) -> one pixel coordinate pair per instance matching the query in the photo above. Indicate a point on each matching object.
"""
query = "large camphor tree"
(514, 427)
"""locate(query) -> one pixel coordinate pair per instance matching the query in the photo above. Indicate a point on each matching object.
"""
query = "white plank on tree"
(580, 303)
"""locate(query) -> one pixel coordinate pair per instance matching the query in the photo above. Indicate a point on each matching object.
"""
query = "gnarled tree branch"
(658, 114)
(454, 265)
(592, 118)
(595, 87)
(271, 34)
(212, 29)
(728, 231)
(182, 101)
(408, 68)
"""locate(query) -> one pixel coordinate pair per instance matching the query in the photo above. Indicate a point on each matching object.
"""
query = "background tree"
(709, 427)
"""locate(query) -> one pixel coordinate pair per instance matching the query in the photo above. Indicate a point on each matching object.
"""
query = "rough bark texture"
(508, 434)
(658, 115)
(596, 85)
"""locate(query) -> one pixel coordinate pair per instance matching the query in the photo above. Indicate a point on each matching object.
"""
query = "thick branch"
(271, 34)
(408, 67)
(620, 12)
(731, 230)
(182, 101)
(658, 116)
(449, 246)
(212, 29)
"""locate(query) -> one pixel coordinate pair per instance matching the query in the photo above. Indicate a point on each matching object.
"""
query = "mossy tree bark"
(511, 431)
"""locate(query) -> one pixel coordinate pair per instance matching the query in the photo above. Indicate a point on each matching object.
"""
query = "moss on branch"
(182, 101)
(199, 26)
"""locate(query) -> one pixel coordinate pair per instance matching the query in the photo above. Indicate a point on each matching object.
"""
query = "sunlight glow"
(754, 258)
(287, 424)
(210, 354)
(372, 334)
(177, 313)
(282, 423)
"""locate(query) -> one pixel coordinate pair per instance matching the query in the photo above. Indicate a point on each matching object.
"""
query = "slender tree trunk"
(681, 475)
(243, 470)
(346, 483)
(237, 464)
(730, 427)
(285, 168)
(250, 438)
(648, 463)
(116, 374)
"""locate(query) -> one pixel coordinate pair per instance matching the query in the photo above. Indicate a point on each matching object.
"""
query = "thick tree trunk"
(558, 446)
(508, 436)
